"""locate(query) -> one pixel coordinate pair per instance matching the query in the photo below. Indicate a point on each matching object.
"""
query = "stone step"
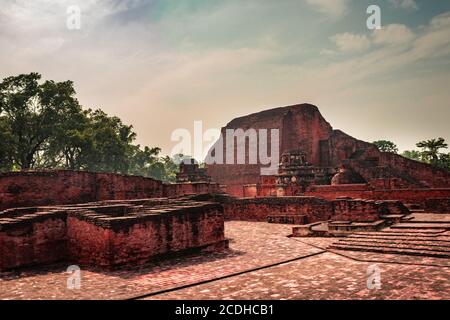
(412, 206)
(416, 210)
(414, 231)
(410, 243)
(427, 225)
(400, 238)
(399, 232)
(395, 250)
(430, 218)
(394, 218)
(421, 245)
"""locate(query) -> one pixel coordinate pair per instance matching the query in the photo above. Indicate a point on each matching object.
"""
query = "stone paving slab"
(393, 258)
(252, 245)
(325, 276)
(431, 217)
(324, 243)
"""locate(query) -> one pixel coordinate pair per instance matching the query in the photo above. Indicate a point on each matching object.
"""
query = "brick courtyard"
(262, 263)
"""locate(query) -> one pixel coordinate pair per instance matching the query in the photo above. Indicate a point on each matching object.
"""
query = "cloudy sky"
(161, 64)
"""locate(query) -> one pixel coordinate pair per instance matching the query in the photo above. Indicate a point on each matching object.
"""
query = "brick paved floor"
(325, 276)
(253, 245)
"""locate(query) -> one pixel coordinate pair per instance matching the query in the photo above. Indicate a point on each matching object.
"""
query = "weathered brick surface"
(303, 128)
(180, 189)
(108, 235)
(33, 240)
(309, 209)
(39, 188)
(258, 209)
(21, 189)
(438, 205)
(419, 196)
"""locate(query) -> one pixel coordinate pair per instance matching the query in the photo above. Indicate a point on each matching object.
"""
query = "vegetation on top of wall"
(429, 153)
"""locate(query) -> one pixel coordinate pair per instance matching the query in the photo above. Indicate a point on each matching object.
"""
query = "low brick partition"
(304, 210)
(259, 209)
(109, 234)
(438, 205)
(362, 191)
(287, 219)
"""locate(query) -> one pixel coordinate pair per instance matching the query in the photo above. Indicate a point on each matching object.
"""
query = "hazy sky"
(162, 64)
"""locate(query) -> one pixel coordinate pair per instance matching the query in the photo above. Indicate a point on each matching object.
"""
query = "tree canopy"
(43, 126)
(430, 153)
(386, 146)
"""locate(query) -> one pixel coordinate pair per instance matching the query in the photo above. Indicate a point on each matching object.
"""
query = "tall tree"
(33, 113)
(43, 126)
(430, 149)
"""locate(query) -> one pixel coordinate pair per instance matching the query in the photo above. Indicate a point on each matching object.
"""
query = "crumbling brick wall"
(309, 209)
(258, 209)
(41, 188)
(109, 235)
(418, 196)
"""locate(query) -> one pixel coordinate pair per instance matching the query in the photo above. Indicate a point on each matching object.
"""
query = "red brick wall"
(166, 233)
(88, 244)
(257, 209)
(21, 189)
(180, 189)
(29, 189)
(314, 209)
(359, 191)
(438, 205)
(26, 244)
(111, 186)
(76, 237)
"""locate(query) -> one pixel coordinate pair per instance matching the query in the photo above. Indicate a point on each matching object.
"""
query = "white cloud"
(405, 4)
(329, 7)
(349, 42)
(393, 34)
(435, 40)
(137, 70)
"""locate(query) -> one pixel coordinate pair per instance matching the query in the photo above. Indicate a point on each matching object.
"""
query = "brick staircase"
(420, 234)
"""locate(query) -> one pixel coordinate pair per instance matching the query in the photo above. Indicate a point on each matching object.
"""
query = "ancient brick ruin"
(328, 184)
(109, 233)
(313, 153)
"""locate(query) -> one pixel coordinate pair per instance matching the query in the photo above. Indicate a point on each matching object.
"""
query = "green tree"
(148, 163)
(412, 154)
(430, 149)
(43, 126)
(108, 143)
(6, 146)
(386, 146)
(171, 169)
(444, 161)
(33, 113)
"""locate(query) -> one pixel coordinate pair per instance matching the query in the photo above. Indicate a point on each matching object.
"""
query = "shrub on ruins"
(412, 154)
(42, 126)
(386, 146)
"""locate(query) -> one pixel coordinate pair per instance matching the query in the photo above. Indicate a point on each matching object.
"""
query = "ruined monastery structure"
(328, 184)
